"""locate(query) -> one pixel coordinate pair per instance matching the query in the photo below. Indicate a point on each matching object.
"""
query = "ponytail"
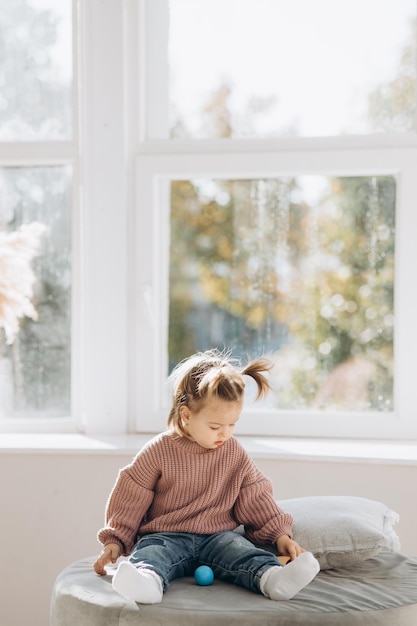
(256, 370)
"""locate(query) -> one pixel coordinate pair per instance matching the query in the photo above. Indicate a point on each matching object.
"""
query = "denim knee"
(169, 554)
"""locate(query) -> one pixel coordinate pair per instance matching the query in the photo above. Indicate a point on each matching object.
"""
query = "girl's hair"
(212, 374)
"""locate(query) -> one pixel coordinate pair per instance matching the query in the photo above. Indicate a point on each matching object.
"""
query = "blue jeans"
(231, 557)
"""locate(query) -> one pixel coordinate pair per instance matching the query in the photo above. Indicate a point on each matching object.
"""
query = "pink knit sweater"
(176, 485)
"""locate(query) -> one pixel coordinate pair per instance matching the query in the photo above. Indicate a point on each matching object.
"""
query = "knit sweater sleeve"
(129, 501)
(257, 510)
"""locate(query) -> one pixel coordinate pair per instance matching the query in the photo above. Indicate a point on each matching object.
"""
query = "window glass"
(271, 68)
(35, 291)
(298, 268)
(35, 70)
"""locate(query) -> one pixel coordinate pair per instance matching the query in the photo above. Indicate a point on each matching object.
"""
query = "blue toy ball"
(204, 575)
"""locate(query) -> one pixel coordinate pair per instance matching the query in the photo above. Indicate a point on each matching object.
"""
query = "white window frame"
(151, 230)
(120, 216)
(158, 161)
(98, 155)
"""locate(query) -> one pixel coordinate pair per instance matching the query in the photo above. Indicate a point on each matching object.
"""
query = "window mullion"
(155, 100)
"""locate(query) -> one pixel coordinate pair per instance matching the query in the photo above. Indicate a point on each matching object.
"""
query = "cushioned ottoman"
(378, 591)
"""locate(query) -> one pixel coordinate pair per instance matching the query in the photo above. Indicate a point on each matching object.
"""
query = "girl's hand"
(109, 554)
(289, 547)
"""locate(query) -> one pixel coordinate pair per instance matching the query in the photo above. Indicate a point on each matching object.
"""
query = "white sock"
(138, 584)
(283, 583)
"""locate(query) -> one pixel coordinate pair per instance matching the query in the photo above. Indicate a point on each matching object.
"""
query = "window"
(300, 269)
(65, 167)
(270, 69)
(185, 202)
(37, 208)
(274, 201)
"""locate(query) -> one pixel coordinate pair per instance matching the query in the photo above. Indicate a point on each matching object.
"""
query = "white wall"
(53, 504)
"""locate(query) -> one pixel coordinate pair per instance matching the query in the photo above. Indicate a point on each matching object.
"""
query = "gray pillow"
(342, 530)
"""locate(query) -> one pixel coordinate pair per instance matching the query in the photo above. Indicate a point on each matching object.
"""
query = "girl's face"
(213, 424)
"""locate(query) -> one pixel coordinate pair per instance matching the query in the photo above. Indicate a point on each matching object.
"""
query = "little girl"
(188, 489)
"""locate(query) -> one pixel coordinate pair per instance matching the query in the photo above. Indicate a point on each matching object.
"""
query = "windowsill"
(329, 450)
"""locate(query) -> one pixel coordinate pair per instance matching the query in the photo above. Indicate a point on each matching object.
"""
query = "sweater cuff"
(105, 538)
(271, 531)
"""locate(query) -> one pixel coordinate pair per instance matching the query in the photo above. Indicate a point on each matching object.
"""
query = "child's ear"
(185, 413)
